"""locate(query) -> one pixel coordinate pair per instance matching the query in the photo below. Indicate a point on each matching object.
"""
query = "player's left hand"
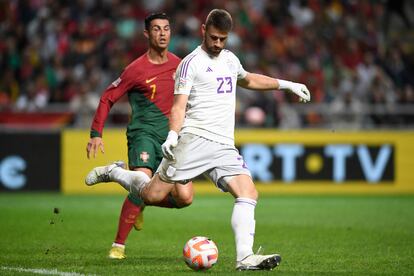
(301, 90)
(298, 88)
(169, 144)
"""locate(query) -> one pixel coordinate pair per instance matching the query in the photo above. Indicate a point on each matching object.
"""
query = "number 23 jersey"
(210, 83)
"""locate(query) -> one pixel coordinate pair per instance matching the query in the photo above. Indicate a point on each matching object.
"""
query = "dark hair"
(152, 16)
(219, 19)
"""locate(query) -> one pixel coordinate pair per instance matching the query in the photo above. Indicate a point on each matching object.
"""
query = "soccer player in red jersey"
(149, 83)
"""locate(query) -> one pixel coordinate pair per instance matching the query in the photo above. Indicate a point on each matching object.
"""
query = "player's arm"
(178, 112)
(111, 95)
(184, 77)
(261, 82)
(177, 116)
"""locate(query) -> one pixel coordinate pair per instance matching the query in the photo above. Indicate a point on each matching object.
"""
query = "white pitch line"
(44, 271)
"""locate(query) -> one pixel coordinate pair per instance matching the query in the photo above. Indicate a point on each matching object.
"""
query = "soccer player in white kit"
(201, 137)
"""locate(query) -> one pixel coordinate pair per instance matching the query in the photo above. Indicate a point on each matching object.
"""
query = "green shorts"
(144, 152)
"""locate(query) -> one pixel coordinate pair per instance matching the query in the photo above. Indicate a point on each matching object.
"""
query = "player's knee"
(242, 186)
(251, 193)
(183, 195)
(152, 198)
(255, 194)
(185, 199)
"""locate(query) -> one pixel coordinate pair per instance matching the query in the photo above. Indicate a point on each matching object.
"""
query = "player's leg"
(243, 223)
(151, 190)
(131, 216)
(130, 211)
(242, 220)
(190, 162)
(233, 176)
(102, 174)
(143, 158)
(155, 190)
(179, 197)
(139, 220)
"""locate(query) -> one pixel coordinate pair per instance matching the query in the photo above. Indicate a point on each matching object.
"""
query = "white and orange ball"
(200, 253)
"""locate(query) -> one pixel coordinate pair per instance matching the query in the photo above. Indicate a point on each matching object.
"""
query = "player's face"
(159, 33)
(214, 40)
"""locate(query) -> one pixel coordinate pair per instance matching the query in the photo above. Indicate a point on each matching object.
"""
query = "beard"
(213, 51)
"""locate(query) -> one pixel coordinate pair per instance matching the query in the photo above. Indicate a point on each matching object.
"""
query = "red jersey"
(150, 89)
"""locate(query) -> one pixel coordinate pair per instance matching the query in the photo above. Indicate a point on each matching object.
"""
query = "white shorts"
(195, 155)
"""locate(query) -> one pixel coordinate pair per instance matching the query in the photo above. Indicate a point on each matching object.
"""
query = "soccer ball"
(200, 253)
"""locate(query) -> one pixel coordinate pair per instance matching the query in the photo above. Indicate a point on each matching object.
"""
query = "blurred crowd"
(356, 57)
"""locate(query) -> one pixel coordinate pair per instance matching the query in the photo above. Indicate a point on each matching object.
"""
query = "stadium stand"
(357, 58)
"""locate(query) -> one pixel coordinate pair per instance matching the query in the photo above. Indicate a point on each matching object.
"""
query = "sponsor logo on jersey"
(116, 82)
(181, 83)
(144, 156)
(150, 80)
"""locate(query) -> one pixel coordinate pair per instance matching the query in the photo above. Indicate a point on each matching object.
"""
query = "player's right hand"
(169, 144)
(93, 145)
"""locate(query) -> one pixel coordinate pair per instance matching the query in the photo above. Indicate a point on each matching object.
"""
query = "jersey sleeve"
(241, 73)
(110, 96)
(184, 76)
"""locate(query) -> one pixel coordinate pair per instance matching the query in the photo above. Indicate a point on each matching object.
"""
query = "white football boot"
(101, 174)
(259, 262)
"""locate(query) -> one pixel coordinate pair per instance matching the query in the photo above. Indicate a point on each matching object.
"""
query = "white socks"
(243, 223)
(118, 245)
(132, 181)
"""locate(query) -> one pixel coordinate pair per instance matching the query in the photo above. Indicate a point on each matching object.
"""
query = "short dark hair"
(219, 19)
(153, 16)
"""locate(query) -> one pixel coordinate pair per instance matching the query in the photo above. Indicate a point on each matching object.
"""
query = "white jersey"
(210, 83)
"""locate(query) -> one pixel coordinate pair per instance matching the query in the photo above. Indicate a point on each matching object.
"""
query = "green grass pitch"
(316, 235)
